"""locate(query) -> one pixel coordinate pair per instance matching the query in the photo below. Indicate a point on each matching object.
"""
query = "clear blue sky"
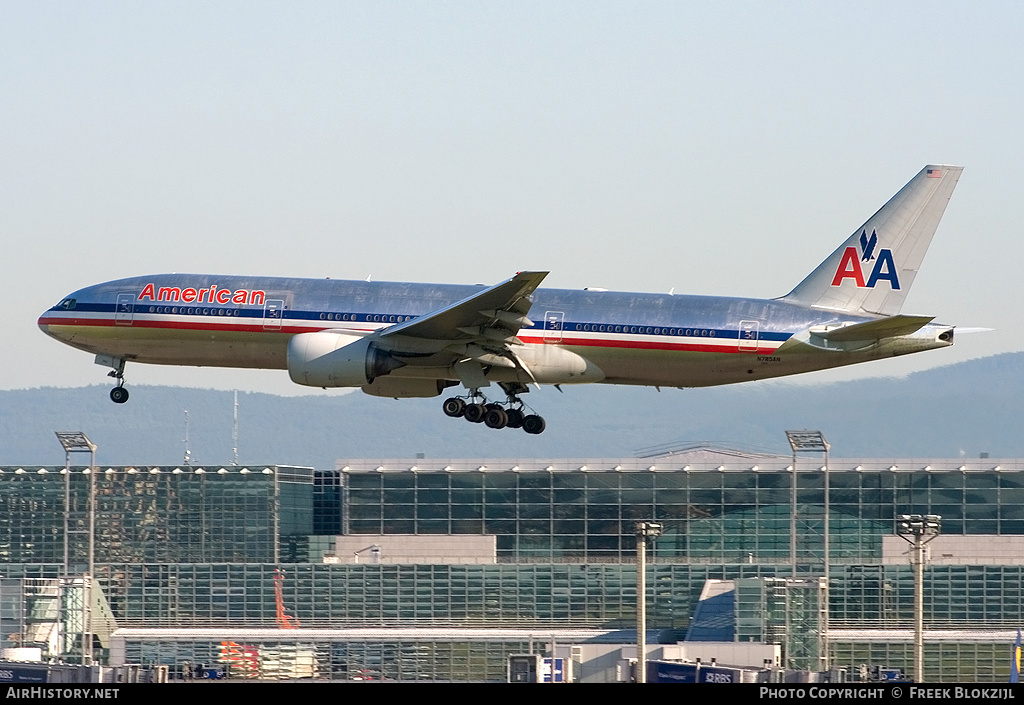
(714, 148)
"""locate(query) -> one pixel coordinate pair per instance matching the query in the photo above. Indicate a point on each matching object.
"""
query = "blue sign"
(554, 670)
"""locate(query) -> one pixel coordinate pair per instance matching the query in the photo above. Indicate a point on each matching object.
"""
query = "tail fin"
(872, 271)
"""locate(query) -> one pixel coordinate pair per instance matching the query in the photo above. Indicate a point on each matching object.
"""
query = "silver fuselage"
(632, 338)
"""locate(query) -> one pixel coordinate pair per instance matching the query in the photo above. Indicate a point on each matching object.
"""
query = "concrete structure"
(403, 549)
(983, 549)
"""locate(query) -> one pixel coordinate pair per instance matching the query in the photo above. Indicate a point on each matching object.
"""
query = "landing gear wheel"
(454, 407)
(534, 424)
(118, 395)
(496, 418)
(475, 413)
(515, 418)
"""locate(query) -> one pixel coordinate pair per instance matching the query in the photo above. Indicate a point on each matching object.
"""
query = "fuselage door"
(124, 309)
(273, 313)
(748, 335)
(554, 321)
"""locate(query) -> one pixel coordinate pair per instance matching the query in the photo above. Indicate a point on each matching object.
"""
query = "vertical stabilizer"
(873, 270)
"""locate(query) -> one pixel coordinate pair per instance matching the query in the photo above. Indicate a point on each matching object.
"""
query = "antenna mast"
(234, 434)
(188, 451)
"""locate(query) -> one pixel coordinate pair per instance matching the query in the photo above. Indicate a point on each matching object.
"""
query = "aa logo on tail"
(850, 264)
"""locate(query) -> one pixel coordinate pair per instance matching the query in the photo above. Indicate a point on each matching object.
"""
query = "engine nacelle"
(328, 359)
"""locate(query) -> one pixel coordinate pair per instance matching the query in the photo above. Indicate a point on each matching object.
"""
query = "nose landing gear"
(118, 395)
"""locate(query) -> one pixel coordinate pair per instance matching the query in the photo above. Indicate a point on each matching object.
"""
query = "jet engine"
(328, 359)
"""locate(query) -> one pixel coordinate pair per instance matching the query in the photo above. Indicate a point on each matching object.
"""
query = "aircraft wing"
(475, 332)
(493, 314)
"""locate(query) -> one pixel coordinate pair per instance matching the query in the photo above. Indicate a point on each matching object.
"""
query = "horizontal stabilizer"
(890, 327)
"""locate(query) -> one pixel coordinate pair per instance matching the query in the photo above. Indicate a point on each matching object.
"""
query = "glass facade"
(180, 548)
(710, 513)
(598, 596)
(944, 661)
(153, 515)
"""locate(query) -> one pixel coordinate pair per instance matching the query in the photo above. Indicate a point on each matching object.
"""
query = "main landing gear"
(476, 409)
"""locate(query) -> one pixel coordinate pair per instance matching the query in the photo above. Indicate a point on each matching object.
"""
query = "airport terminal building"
(439, 569)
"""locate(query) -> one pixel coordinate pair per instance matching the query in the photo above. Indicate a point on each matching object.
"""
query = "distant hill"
(969, 407)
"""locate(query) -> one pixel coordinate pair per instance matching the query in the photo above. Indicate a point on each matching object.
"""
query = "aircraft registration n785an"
(415, 340)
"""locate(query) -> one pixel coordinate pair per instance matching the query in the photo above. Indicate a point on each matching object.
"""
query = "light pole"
(77, 442)
(918, 530)
(644, 529)
(813, 442)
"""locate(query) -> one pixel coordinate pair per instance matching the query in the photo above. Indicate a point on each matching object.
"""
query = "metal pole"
(918, 609)
(641, 607)
(67, 512)
(234, 433)
(813, 442)
(643, 530)
(823, 653)
(918, 530)
(792, 519)
(88, 578)
(78, 442)
(65, 575)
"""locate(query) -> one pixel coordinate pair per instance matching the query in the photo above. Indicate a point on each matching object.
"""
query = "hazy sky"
(713, 148)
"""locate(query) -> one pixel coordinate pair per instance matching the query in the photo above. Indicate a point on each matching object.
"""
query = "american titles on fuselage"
(210, 294)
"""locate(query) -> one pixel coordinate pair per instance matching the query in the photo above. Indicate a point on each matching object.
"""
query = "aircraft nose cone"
(47, 323)
(44, 323)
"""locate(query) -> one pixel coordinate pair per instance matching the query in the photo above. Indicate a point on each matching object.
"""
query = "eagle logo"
(867, 247)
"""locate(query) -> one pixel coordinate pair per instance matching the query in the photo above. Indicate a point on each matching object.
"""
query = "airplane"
(403, 340)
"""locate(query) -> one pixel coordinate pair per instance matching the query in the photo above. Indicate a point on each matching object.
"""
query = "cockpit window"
(68, 304)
